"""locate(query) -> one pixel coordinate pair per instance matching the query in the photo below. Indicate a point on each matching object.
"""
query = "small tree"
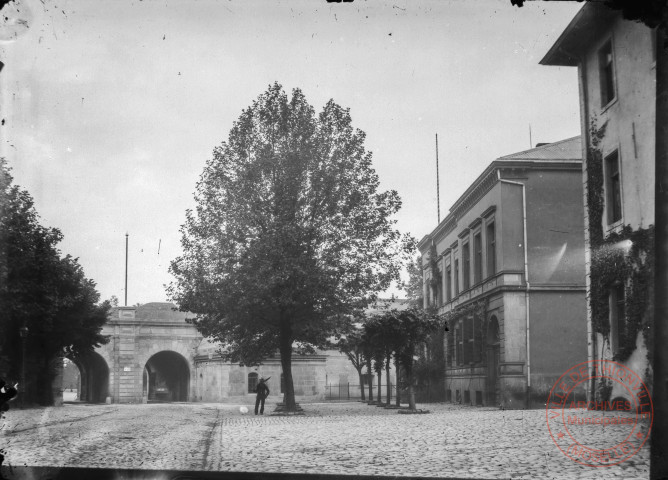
(414, 326)
(351, 346)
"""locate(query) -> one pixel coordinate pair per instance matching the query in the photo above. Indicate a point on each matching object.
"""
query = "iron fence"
(348, 391)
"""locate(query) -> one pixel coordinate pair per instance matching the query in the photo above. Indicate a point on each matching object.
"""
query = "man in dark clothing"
(262, 393)
(7, 393)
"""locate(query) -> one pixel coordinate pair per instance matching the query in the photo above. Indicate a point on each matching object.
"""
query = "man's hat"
(264, 379)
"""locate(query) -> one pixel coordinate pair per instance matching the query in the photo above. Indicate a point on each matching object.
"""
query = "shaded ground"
(337, 438)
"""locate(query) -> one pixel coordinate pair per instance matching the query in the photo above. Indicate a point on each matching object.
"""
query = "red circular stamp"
(600, 433)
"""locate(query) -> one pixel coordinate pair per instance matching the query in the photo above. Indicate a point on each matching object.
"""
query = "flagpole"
(126, 269)
(438, 193)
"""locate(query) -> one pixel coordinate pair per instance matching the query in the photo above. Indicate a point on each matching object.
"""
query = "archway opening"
(166, 378)
(71, 381)
(85, 379)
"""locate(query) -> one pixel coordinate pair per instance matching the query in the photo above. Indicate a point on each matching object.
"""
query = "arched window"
(252, 382)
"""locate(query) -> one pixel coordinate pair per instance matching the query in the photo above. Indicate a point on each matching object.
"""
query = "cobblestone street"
(336, 438)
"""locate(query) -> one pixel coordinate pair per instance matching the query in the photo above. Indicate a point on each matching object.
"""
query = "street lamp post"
(23, 332)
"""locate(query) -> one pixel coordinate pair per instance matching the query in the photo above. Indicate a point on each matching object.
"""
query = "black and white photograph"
(333, 239)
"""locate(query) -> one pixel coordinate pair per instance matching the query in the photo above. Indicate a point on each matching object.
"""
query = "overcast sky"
(112, 108)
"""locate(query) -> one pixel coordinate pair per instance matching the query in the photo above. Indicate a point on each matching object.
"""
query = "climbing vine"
(624, 258)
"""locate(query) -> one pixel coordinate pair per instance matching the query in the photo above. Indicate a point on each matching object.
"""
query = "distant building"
(506, 269)
(155, 355)
(616, 62)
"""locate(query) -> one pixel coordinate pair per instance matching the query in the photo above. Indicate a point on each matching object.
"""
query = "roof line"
(539, 148)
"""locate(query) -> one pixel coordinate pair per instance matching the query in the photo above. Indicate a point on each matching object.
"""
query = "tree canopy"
(290, 235)
(41, 290)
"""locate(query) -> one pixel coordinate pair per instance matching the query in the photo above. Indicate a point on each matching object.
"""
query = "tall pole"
(126, 269)
(530, 142)
(438, 193)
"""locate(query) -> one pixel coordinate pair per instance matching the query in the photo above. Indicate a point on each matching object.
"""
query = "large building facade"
(616, 61)
(154, 354)
(506, 269)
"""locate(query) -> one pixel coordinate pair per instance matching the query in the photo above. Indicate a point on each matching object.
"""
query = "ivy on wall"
(622, 258)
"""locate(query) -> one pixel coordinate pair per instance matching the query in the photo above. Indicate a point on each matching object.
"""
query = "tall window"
(466, 265)
(459, 344)
(613, 187)
(448, 283)
(491, 250)
(477, 339)
(477, 251)
(617, 315)
(456, 278)
(451, 348)
(468, 340)
(252, 382)
(606, 73)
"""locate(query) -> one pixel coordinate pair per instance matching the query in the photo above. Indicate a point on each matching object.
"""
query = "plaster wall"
(630, 117)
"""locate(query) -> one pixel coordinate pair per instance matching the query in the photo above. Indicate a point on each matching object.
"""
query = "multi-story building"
(616, 62)
(506, 269)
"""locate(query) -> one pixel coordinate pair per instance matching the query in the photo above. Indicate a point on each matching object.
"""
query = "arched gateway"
(151, 354)
(155, 355)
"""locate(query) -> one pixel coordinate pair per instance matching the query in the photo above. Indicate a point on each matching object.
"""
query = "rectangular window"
(477, 339)
(466, 265)
(451, 348)
(468, 340)
(491, 250)
(617, 316)
(613, 187)
(448, 283)
(606, 74)
(456, 278)
(477, 267)
(459, 344)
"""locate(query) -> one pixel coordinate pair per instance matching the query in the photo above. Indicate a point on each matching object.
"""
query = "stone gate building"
(153, 354)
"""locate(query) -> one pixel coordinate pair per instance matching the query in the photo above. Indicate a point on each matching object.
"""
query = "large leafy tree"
(290, 235)
(43, 291)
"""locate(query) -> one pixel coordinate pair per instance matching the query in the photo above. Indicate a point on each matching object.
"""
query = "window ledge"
(615, 227)
(609, 105)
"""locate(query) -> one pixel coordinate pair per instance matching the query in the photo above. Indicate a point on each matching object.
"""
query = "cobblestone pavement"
(337, 438)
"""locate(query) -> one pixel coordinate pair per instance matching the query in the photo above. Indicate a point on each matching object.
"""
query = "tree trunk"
(285, 347)
(396, 368)
(411, 390)
(370, 376)
(387, 380)
(380, 391)
(359, 373)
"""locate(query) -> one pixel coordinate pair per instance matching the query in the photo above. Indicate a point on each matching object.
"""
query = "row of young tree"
(396, 336)
(48, 308)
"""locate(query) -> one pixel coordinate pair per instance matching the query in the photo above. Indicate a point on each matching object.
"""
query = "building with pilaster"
(506, 269)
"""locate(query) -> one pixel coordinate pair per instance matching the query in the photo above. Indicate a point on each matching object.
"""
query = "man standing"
(262, 393)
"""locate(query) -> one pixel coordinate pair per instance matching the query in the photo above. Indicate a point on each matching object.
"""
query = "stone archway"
(166, 377)
(93, 383)
(493, 360)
